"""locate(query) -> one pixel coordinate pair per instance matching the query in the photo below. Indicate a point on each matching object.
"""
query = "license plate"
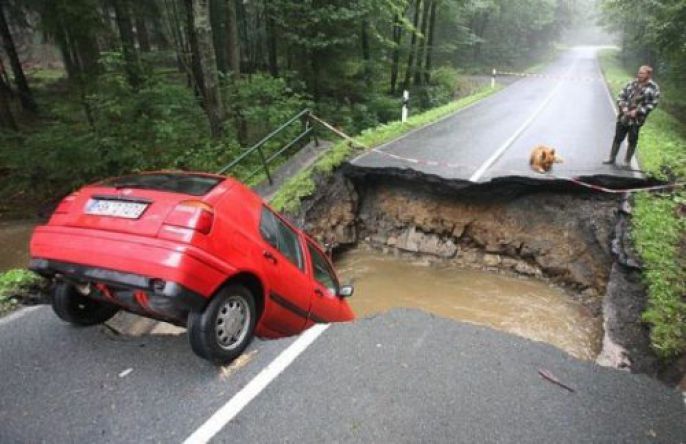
(115, 208)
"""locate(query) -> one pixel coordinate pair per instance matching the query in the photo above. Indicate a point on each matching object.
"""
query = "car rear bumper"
(118, 279)
(152, 297)
(126, 260)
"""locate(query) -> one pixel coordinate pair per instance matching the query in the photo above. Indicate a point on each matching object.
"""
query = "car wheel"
(75, 308)
(225, 327)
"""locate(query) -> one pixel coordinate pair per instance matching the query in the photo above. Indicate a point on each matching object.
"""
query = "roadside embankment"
(657, 225)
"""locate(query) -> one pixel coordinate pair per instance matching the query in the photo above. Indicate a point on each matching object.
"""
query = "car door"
(326, 304)
(289, 286)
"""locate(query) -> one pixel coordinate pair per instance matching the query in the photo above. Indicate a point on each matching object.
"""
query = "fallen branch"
(549, 376)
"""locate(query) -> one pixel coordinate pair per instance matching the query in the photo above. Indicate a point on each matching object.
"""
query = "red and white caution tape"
(569, 78)
(624, 190)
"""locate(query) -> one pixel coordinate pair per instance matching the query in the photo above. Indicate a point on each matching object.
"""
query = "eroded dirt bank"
(569, 237)
(563, 237)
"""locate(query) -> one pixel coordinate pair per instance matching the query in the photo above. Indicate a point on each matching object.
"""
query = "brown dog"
(542, 158)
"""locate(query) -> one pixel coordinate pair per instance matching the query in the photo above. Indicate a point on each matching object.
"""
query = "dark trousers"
(621, 132)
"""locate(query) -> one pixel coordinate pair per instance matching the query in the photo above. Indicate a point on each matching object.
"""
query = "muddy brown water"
(525, 307)
(14, 244)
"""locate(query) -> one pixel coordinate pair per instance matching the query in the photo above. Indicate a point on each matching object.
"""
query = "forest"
(652, 32)
(94, 88)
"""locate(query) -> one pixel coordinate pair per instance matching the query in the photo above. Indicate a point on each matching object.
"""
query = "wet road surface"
(567, 107)
(404, 376)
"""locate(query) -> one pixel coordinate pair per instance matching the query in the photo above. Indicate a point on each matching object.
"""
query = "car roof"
(178, 172)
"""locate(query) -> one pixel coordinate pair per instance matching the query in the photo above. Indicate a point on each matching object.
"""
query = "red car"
(198, 250)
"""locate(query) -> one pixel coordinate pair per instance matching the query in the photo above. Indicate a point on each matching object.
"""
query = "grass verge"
(13, 285)
(659, 220)
(302, 185)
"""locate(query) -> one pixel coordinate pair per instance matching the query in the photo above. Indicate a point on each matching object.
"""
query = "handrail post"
(307, 123)
(306, 120)
(264, 164)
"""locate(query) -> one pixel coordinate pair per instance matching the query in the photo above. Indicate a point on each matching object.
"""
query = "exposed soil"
(562, 237)
(573, 238)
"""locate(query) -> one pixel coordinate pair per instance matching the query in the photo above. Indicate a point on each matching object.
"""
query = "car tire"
(225, 327)
(77, 309)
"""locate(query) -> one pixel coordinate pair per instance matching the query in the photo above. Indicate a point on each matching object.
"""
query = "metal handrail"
(258, 147)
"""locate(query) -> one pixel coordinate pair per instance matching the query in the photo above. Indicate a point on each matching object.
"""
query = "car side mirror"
(346, 291)
(328, 249)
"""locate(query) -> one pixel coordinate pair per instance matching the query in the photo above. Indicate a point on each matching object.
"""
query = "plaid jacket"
(643, 98)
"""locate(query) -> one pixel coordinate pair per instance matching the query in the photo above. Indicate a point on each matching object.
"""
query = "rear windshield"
(195, 185)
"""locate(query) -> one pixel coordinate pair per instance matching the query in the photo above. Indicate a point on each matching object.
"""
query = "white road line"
(607, 86)
(447, 116)
(234, 406)
(501, 150)
(18, 314)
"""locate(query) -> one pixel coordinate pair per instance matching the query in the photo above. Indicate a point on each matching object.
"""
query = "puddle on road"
(14, 244)
(524, 307)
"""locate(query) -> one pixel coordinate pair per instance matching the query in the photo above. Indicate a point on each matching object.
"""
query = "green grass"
(46, 75)
(658, 222)
(302, 185)
(14, 283)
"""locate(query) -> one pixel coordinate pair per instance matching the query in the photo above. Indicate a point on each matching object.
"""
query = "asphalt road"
(404, 376)
(567, 107)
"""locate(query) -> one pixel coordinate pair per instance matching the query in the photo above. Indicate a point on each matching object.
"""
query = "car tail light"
(193, 214)
(65, 205)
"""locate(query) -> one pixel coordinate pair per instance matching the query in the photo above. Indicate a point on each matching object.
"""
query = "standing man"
(636, 100)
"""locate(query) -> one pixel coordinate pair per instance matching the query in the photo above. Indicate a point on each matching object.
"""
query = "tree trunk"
(413, 43)
(255, 54)
(218, 22)
(109, 35)
(142, 33)
(421, 48)
(155, 11)
(212, 100)
(159, 37)
(25, 95)
(123, 12)
(233, 52)
(6, 117)
(70, 64)
(479, 29)
(395, 65)
(314, 81)
(180, 43)
(272, 54)
(85, 51)
(366, 55)
(430, 42)
(196, 68)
